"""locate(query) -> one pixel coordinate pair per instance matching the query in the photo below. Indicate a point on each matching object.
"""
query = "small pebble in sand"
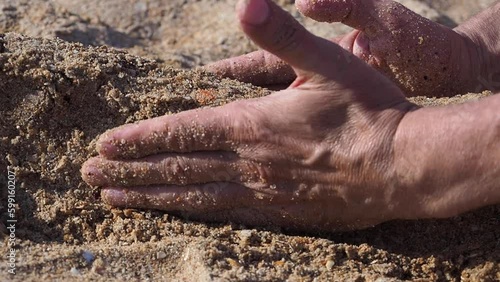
(75, 272)
(233, 263)
(98, 266)
(245, 234)
(330, 264)
(88, 256)
(161, 255)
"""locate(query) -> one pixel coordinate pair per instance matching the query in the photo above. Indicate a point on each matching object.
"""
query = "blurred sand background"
(181, 32)
(57, 97)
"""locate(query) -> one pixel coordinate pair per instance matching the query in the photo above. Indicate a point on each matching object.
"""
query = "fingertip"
(211, 67)
(114, 197)
(325, 11)
(220, 69)
(106, 148)
(118, 142)
(253, 12)
(361, 48)
(91, 173)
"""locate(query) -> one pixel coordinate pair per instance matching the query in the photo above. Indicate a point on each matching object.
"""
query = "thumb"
(370, 16)
(279, 33)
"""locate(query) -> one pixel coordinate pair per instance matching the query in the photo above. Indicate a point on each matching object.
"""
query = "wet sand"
(57, 97)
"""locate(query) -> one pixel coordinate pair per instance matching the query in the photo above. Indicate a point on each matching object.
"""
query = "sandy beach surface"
(70, 70)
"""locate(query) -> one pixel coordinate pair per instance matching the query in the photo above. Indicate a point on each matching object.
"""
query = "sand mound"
(57, 97)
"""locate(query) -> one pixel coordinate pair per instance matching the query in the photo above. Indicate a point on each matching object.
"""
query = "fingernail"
(93, 175)
(362, 46)
(106, 149)
(254, 12)
(105, 145)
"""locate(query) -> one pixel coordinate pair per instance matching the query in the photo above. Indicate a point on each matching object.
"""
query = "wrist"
(482, 40)
(447, 159)
(409, 170)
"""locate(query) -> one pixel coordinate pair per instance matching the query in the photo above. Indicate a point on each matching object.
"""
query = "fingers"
(194, 198)
(259, 68)
(223, 202)
(250, 167)
(348, 12)
(369, 16)
(199, 167)
(211, 129)
(278, 32)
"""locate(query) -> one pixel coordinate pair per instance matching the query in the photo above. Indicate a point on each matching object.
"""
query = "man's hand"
(318, 156)
(422, 57)
(340, 149)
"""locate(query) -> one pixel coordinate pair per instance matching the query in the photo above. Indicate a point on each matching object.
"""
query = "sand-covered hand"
(422, 57)
(317, 155)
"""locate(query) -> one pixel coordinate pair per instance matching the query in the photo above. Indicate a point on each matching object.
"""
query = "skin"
(422, 57)
(340, 149)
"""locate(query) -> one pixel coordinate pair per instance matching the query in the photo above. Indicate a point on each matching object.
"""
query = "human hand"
(422, 57)
(317, 156)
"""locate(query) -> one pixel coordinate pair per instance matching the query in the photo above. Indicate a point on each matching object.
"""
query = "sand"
(57, 97)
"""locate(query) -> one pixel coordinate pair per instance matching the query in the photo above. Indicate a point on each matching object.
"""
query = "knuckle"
(175, 169)
(256, 172)
(288, 36)
(222, 176)
(251, 123)
(206, 197)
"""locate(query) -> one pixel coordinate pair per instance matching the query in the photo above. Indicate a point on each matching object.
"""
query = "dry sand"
(57, 97)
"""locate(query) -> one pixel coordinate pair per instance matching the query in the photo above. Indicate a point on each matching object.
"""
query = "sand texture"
(57, 97)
